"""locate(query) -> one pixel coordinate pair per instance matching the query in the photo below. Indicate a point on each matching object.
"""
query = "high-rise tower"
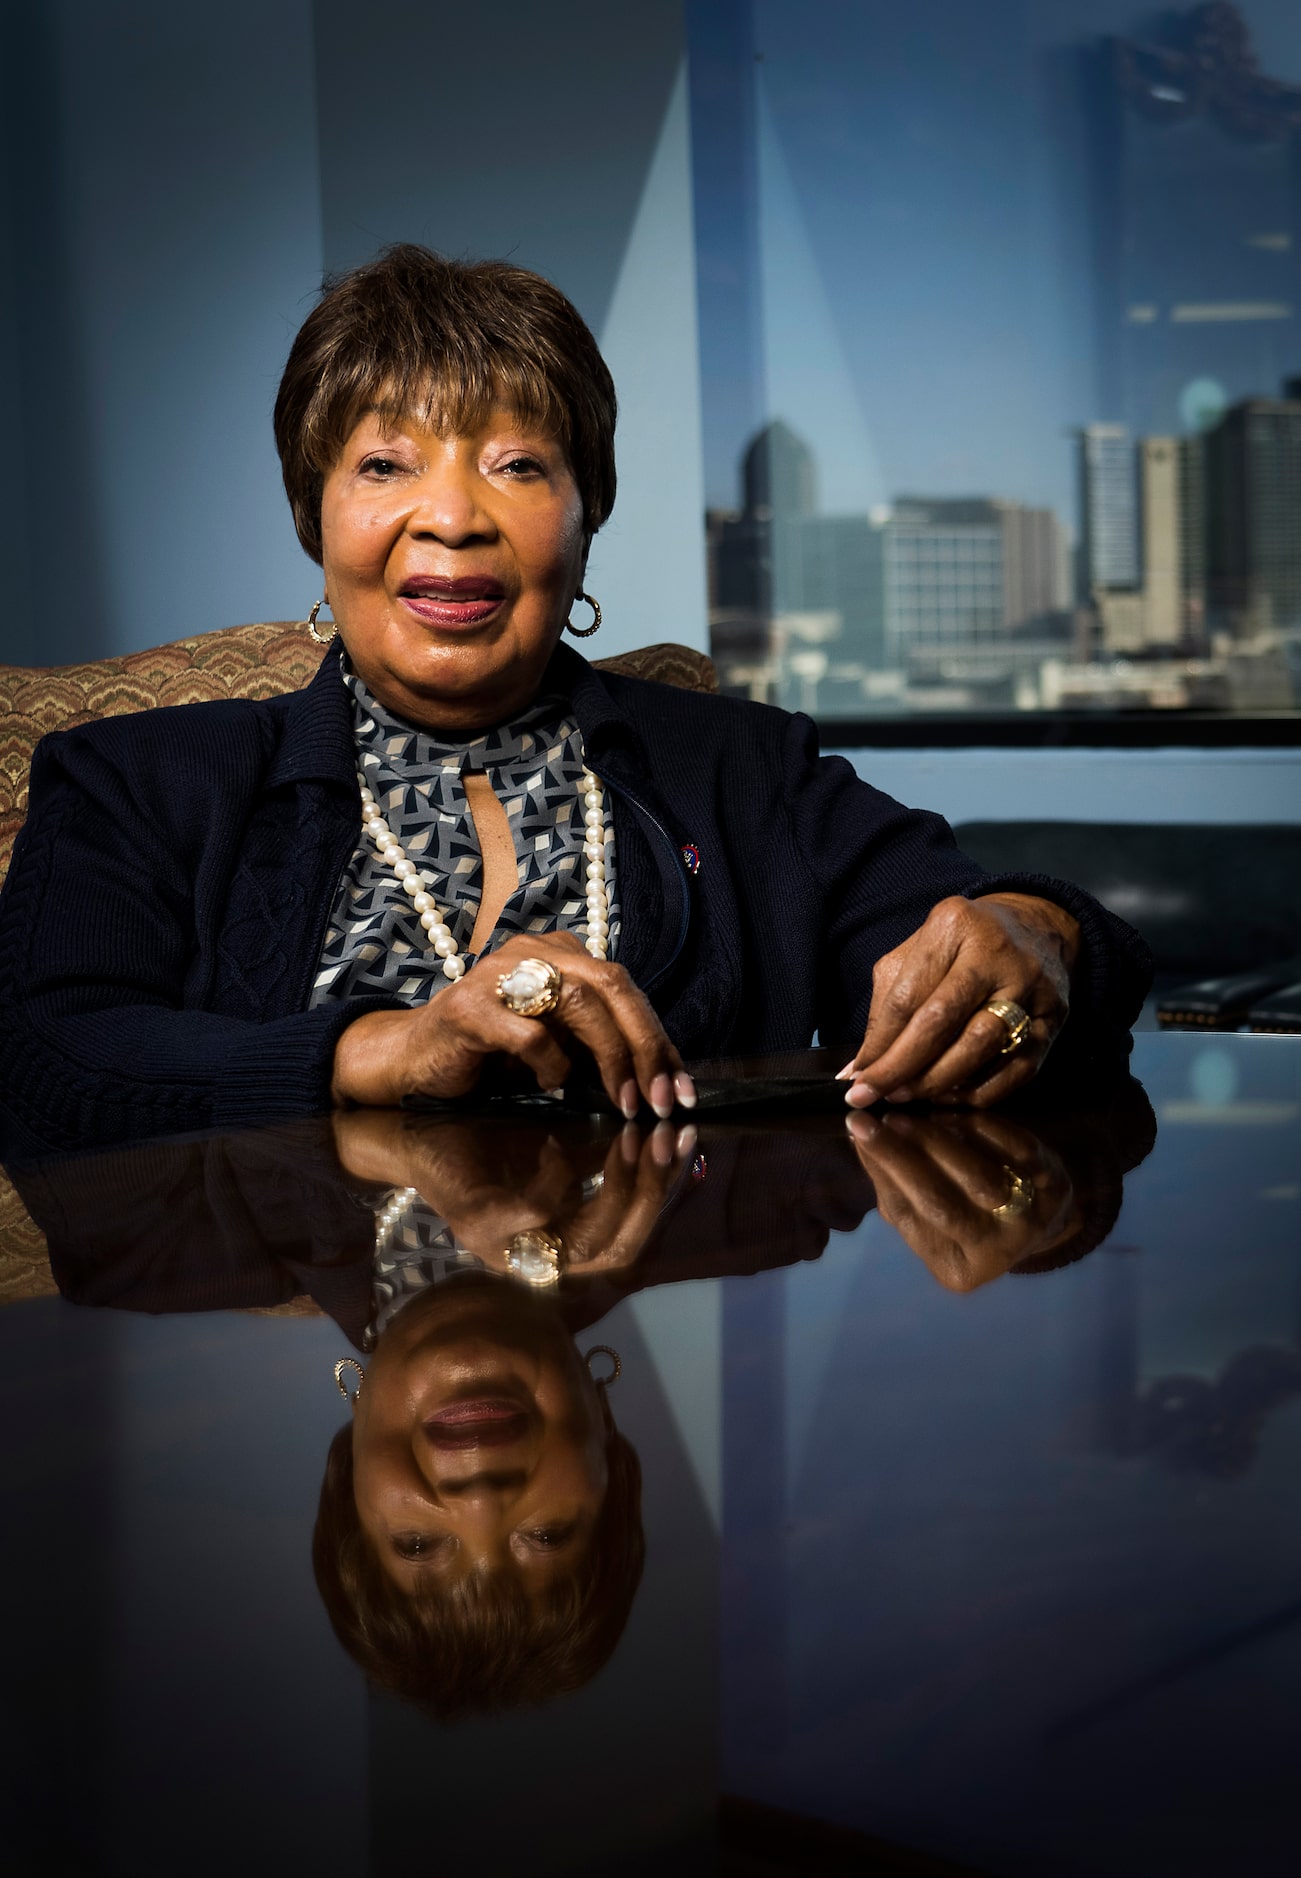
(1253, 516)
(1108, 509)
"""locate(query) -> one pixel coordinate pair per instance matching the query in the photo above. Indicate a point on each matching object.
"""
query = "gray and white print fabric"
(374, 942)
(421, 1251)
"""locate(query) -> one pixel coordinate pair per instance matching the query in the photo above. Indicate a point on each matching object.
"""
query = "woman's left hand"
(931, 1036)
(972, 1195)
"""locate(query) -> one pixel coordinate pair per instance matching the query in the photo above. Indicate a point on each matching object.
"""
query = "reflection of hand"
(930, 1034)
(440, 1048)
(940, 1178)
(490, 1180)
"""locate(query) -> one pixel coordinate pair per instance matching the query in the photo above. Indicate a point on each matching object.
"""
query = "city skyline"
(947, 311)
(1189, 550)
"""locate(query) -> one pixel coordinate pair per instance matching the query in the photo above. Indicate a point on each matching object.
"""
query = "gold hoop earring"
(603, 1349)
(585, 632)
(349, 1362)
(322, 639)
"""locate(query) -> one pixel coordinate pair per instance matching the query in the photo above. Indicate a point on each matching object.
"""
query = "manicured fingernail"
(900, 1095)
(685, 1088)
(861, 1095)
(843, 1075)
(862, 1127)
(630, 1144)
(661, 1096)
(662, 1146)
(629, 1100)
(686, 1141)
(557, 1095)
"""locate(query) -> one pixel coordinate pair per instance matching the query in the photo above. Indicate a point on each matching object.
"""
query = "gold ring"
(534, 1257)
(1017, 1020)
(530, 989)
(1020, 1196)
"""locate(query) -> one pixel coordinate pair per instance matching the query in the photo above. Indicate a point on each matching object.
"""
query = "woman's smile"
(489, 1422)
(465, 600)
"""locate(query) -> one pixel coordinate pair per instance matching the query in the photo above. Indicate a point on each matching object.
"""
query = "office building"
(1192, 537)
(1253, 500)
(1109, 547)
(966, 574)
(1159, 480)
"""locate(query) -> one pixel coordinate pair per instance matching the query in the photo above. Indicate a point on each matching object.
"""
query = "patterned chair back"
(238, 662)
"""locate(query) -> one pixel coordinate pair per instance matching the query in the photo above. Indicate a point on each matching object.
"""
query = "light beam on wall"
(648, 563)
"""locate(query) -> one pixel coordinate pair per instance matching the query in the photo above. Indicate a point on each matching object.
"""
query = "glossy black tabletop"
(971, 1493)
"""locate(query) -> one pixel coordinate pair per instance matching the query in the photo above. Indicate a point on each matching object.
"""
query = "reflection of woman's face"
(478, 1441)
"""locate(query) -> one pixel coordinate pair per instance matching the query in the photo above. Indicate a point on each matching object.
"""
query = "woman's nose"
(448, 507)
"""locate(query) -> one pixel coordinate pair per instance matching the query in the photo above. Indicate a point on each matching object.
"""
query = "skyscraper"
(1253, 517)
(943, 579)
(1108, 510)
(1036, 565)
(964, 574)
(1163, 581)
(778, 475)
(1192, 536)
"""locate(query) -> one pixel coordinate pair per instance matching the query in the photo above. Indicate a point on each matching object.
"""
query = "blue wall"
(165, 240)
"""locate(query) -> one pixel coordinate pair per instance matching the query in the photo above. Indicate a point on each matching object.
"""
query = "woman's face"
(451, 562)
(478, 1443)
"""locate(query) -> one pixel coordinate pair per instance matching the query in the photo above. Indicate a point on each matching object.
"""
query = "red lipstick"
(446, 600)
(490, 1422)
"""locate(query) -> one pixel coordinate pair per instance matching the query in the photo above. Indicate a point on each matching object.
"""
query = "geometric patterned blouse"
(421, 1252)
(374, 941)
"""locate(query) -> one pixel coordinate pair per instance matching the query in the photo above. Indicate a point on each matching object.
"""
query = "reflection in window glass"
(999, 334)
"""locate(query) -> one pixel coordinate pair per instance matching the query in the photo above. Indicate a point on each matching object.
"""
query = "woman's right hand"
(439, 1049)
(601, 1196)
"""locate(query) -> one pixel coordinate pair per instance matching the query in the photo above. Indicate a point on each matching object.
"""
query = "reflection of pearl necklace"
(438, 934)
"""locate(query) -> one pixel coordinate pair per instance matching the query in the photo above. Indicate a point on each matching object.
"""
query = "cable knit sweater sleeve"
(878, 868)
(149, 983)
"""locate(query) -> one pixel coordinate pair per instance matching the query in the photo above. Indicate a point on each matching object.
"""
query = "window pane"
(1001, 368)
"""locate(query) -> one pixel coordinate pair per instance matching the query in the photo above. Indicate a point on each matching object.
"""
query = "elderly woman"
(460, 845)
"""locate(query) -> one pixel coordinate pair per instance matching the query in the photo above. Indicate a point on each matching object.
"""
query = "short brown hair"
(479, 1646)
(413, 331)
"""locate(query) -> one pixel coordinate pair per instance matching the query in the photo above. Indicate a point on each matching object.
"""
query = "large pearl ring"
(535, 1258)
(530, 989)
(1017, 1020)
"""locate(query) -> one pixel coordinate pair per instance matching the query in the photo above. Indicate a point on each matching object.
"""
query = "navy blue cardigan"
(167, 901)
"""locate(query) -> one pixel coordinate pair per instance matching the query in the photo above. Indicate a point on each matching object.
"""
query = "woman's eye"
(548, 1538)
(522, 466)
(382, 467)
(418, 1545)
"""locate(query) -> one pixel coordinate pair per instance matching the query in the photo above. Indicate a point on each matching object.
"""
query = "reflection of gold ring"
(534, 1258)
(1017, 1020)
(1020, 1197)
(530, 989)
(591, 1187)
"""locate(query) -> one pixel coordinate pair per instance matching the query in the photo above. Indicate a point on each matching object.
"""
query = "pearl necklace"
(388, 1221)
(438, 934)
